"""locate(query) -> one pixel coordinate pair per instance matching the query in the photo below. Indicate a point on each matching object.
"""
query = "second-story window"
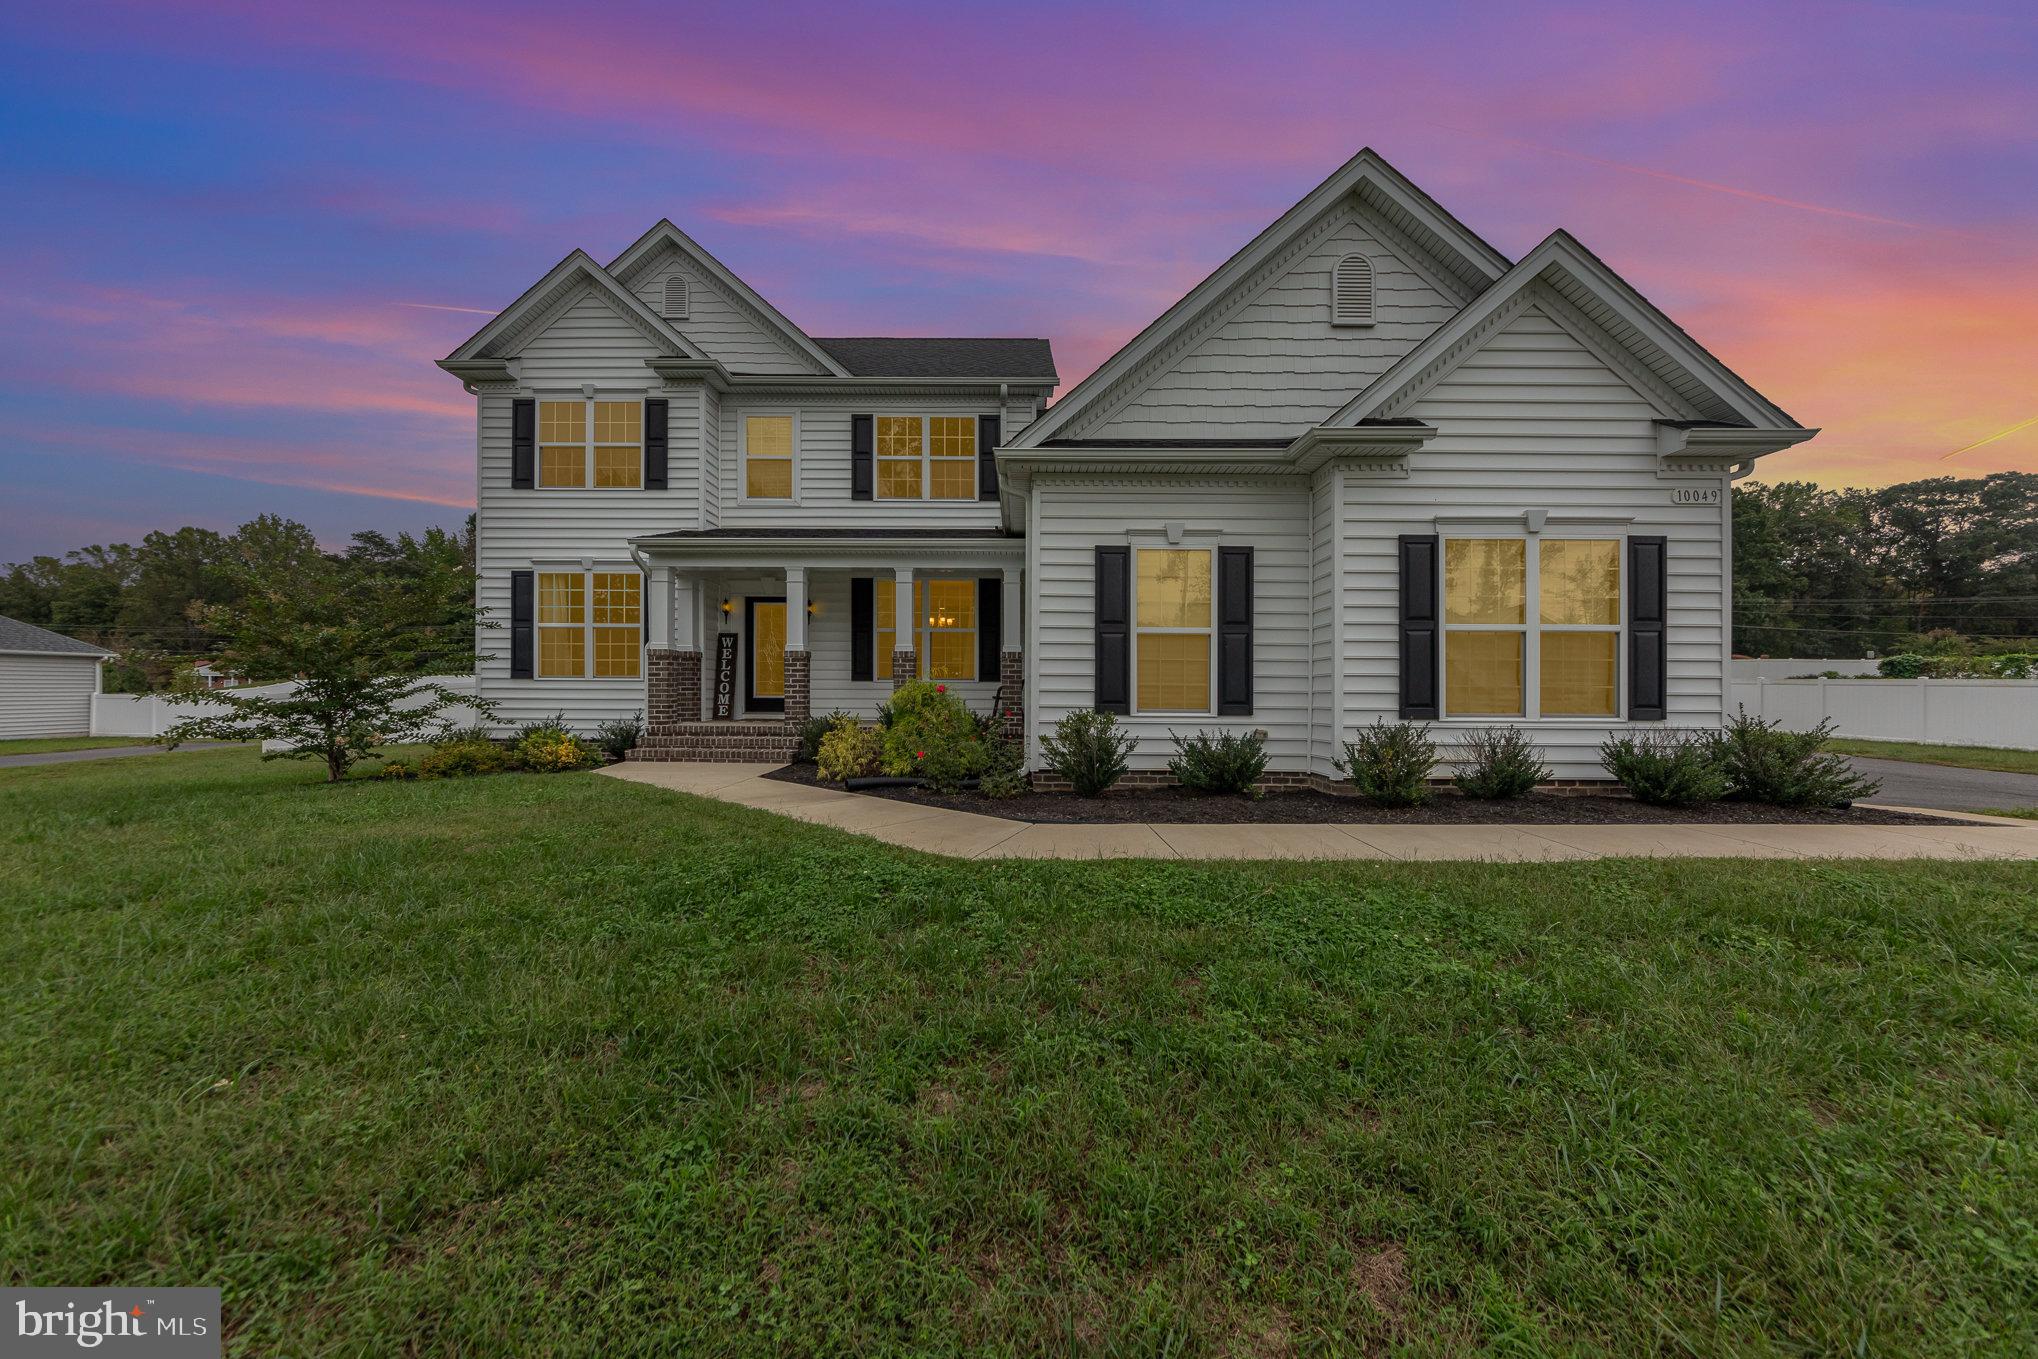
(768, 457)
(926, 457)
(591, 443)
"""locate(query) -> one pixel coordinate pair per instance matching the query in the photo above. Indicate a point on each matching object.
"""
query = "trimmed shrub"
(1499, 762)
(1229, 762)
(1390, 763)
(1764, 763)
(1667, 768)
(847, 752)
(617, 738)
(461, 759)
(814, 728)
(932, 736)
(552, 751)
(1089, 750)
(1004, 769)
(1907, 665)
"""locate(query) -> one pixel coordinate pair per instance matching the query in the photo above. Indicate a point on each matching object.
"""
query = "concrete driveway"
(1906, 784)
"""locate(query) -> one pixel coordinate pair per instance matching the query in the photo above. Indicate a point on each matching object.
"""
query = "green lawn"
(546, 1065)
(36, 745)
(1961, 757)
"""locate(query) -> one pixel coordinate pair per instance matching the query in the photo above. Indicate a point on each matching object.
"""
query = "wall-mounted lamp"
(728, 607)
(813, 608)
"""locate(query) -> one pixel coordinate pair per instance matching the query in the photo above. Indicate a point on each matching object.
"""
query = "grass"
(542, 1065)
(37, 745)
(1960, 757)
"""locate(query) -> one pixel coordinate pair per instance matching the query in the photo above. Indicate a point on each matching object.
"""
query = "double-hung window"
(926, 457)
(768, 458)
(942, 628)
(1532, 627)
(1172, 634)
(591, 443)
(590, 616)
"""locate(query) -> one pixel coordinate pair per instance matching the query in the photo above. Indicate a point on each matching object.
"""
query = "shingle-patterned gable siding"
(720, 325)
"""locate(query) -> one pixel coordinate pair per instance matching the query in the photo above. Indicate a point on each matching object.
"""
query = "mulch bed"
(1447, 807)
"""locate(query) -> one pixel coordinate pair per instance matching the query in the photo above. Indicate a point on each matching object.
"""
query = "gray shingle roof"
(889, 356)
(16, 635)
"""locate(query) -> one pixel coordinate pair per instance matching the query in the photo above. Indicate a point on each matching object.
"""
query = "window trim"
(1209, 709)
(743, 418)
(1531, 625)
(923, 631)
(927, 456)
(587, 396)
(587, 571)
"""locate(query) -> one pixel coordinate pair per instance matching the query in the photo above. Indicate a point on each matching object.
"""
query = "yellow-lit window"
(942, 629)
(1532, 627)
(952, 457)
(1579, 607)
(900, 457)
(619, 444)
(618, 623)
(768, 457)
(562, 443)
(1172, 630)
(562, 623)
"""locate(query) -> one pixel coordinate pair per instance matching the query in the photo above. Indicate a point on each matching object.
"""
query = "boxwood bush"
(1390, 763)
(1228, 762)
(1667, 768)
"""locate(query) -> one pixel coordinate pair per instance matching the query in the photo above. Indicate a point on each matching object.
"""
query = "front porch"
(750, 636)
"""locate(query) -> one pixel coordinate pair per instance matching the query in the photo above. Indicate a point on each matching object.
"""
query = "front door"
(764, 657)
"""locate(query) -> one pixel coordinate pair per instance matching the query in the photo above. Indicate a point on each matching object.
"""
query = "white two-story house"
(1368, 468)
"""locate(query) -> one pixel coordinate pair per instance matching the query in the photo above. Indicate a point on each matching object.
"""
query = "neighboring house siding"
(723, 328)
(1269, 515)
(586, 342)
(822, 466)
(1275, 365)
(1531, 419)
(47, 695)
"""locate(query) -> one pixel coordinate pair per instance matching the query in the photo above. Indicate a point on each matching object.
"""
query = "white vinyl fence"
(150, 715)
(1951, 712)
(1775, 669)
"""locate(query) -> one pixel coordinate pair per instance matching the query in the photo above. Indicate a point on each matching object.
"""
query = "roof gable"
(1576, 288)
(1468, 263)
(502, 337)
(636, 264)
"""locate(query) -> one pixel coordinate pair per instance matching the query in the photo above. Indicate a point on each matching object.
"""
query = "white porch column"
(1012, 654)
(796, 608)
(658, 607)
(1013, 619)
(799, 670)
(686, 611)
(906, 637)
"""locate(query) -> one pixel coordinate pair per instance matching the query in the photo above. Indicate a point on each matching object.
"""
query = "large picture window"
(591, 443)
(1532, 627)
(590, 623)
(942, 628)
(926, 457)
(1172, 634)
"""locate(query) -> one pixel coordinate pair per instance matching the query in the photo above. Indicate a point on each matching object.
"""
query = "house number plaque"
(1695, 495)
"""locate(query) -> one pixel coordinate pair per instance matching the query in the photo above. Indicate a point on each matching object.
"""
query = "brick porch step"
(721, 742)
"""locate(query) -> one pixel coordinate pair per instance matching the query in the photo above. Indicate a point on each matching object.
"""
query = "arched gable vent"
(675, 298)
(1351, 292)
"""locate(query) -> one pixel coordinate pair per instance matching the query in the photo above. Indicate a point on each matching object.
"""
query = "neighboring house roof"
(26, 638)
(959, 357)
(831, 534)
(1473, 263)
(1576, 280)
(665, 233)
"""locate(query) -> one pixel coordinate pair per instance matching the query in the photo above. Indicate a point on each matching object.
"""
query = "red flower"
(919, 754)
(940, 688)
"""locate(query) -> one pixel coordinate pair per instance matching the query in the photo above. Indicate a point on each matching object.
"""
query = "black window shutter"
(1114, 636)
(990, 626)
(523, 610)
(655, 419)
(990, 429)
(862, 629)
(862, 456)
(1419, 634)
(1235, 631)
(1648, 611)
(523, 444)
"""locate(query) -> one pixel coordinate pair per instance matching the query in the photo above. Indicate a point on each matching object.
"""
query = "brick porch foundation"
(905, 666)
(672, 685)
(1012, 680)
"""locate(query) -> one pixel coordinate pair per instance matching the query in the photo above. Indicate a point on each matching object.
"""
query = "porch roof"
(785, 545)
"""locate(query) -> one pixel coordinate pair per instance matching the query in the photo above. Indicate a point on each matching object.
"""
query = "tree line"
(157, 603)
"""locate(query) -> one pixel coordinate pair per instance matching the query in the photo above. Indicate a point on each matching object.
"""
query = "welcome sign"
(725, 676)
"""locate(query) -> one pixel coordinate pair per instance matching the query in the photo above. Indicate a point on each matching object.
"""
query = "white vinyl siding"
(1276, 365)
(716, 324)
(47, 695)
(823, 459)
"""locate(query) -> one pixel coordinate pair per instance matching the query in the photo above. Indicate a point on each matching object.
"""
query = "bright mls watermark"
(164, 1323)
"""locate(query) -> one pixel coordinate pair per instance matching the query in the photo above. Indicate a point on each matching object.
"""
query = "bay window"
(1532, 627)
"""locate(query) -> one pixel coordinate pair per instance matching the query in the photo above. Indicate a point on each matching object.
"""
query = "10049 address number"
(1695, 495)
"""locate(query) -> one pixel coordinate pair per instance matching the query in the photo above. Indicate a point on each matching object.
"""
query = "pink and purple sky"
(236, 234)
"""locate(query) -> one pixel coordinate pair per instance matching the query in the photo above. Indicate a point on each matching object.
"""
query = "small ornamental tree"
(357, 645)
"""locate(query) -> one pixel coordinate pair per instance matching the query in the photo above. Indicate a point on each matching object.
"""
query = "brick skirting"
(672, 686)
(766, 742)
(798, 700)
(905, 666)
(1012, 680)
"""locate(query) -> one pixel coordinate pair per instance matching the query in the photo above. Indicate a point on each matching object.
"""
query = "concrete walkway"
(967, 835)
(103, 753)
(1916, 784)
